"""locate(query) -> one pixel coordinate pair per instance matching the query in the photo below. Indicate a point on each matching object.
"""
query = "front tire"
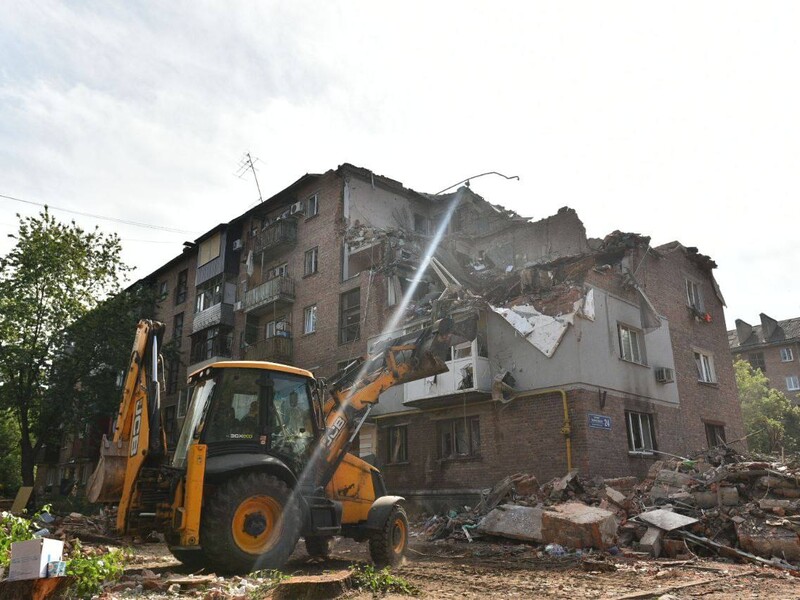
(249, 523)
(387, 546)
(194, 560)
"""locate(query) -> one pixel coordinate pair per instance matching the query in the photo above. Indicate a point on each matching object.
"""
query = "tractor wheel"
(194, 560)
(249, 523)
(319, 547)
(387, 546)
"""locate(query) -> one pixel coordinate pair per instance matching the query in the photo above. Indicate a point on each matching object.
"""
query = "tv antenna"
(248, 164)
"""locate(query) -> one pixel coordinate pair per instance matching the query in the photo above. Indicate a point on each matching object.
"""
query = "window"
(177, 327)
(279, 271)
(208, 250)
(715, 434)
(278, 328)
(349, 316)
(397, 444)
(630, 344)
(310, 319)
(641, 433)
(459, 437)
(787, 355)
(183, 401)
(183, 286)
(792, 383)
(214, 341)
(705, 367)
(693, 296)
(312, 206)
(209, 294)
(756, 360)
(420, 224)
(310, 261)
(163, 290)
(173, 368)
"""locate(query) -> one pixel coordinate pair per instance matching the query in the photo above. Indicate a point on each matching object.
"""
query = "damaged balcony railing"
(273, 293)
(276, 234)
(274, 349)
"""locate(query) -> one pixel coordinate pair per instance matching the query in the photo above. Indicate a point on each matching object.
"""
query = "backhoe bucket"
(105, 484)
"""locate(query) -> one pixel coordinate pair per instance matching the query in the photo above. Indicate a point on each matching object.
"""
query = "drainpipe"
(498, 394)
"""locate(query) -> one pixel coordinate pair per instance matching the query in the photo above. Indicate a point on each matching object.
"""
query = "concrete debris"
(514, 522)
(576, 525)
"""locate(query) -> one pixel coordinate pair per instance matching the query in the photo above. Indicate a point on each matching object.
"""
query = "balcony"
(281, 232)
(207, 351)
(219, 314)
(275, 294)
(275, 349)
(469, 378)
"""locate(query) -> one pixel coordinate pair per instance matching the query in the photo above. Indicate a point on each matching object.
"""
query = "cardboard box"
(29, 558)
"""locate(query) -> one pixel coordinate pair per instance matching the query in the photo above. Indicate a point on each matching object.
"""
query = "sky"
(677, 120)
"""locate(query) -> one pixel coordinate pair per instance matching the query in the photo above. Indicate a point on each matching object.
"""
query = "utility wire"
(113, 219)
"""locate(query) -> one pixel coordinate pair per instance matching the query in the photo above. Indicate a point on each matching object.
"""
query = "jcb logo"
(334, 431)
(137, 426)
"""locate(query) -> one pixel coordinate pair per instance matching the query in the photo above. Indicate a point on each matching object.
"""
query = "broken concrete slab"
(514, 522)
(570, 480)
(651, 541)
(772, 504)
(768, 541)
(615, 497)
(666, 520)
(724, 496)
(575, 525)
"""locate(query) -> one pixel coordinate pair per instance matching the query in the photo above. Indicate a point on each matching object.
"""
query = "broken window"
(182, 287)
(397, 444)
(756, 360)
(278, 328)
(310, 319)
(787, 355)
(792, 383)
(208, 250)
(310, 262)
(693, 296)
(183, 401)
(715, 434)
(209, 293)
(641, 432)
(163, 290)
(360, 258)
(214, 341)
(349, 316)
(631, 347)
(421, 224)
(705, 367)
(177, 327)
(312, 206)
(459, 437)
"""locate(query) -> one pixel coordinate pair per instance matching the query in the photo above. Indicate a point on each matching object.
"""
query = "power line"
(113, 219)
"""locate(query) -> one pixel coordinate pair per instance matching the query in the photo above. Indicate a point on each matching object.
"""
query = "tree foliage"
(771, 421)
(54, 275)
(10, 478)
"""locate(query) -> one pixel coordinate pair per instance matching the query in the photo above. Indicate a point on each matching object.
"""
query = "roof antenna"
(248, 164)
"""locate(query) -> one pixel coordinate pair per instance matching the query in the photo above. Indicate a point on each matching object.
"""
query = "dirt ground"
(482, 569)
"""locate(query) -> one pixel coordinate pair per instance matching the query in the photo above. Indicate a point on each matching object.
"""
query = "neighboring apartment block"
(773, 347)
(595, 354)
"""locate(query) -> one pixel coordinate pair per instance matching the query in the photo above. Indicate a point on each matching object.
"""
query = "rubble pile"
(718, 503)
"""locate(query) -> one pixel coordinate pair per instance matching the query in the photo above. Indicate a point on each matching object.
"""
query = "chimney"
(768, 327)
(743, 331)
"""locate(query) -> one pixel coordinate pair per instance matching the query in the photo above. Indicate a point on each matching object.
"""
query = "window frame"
(182, 287)
(449, 428)
(313, 254)
(714, 428)
(705, 368)
(694, 295)
(163, 290)
(178, 321)
(397, 454)
(214, 289)
(633, 334)
(651, 432)
(787, 352)
(310, 311)
(312, 201)
(758, 361)
(796, 380)
(346, 313)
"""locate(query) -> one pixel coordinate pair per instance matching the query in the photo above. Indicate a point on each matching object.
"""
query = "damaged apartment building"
(590, 354)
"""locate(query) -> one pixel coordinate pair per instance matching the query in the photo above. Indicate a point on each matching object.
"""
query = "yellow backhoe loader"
(262, 457)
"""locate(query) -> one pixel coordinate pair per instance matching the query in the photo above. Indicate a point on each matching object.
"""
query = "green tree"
(54, 275)
(771, 421)
(10, 479)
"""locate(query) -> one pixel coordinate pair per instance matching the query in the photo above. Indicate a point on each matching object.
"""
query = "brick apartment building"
(610, 347)
(773, 347)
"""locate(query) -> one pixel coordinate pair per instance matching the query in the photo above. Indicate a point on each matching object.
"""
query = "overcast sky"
(674, 120)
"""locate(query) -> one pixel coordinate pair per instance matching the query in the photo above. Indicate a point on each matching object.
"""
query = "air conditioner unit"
(665, 375)
(285, 214)
(238, 245)
(237, 305)
(297, 208)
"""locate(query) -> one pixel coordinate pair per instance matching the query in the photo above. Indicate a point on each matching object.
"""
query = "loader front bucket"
(105, 484)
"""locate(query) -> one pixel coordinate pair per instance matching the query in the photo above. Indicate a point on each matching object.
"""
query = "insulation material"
(585, 308)
(542, 331)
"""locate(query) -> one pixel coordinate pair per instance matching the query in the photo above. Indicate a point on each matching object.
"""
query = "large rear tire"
(388, 545)
(194, 560)
(249, 523)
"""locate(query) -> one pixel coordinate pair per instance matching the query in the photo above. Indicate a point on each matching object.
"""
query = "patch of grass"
(381, 581)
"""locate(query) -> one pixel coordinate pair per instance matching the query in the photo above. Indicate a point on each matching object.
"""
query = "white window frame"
(312, 206)
(694, 295)
(311, 261)
(631, 346)
(277, 328)
(793, 383)
(706, 373)
(787, 355)
(310, 319)
(643, 423)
